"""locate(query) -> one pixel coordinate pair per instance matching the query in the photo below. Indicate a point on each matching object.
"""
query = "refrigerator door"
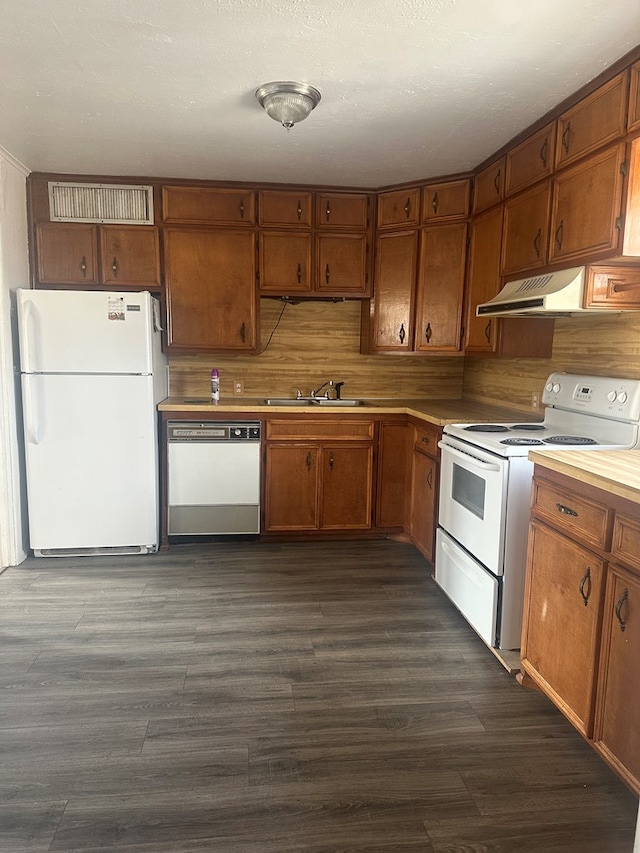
(91, 451)
(67, 331)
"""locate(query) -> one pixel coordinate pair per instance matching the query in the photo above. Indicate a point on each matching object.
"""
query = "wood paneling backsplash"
(313, 342)
(602, 344)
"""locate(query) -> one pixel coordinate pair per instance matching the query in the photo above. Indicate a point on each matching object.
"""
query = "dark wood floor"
(265, 698)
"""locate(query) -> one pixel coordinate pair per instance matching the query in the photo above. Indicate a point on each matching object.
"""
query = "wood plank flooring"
(271, 698)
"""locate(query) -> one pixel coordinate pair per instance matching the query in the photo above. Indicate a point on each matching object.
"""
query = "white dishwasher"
(213, 477)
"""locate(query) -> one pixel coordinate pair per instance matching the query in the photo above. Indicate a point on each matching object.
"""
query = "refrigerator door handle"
(29, 336)
(32, 422)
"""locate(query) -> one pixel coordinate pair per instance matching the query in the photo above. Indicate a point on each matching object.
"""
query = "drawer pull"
(114, 267)
(83, 266)
(328, 211)
(309, 461)
(402, 333)
(331, 461)
(428, 333)
(434, 203)
(299, 210)
(426, 440)
(407, 207)
(619, 606)
(585, 586)
(566, 510)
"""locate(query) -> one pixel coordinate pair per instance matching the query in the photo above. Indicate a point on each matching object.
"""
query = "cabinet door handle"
(426, 440)
(487, 332)
(331, 461)
(560, 234)
(114, 267)
(430, 478)
(243, 333)
(326, 274)
(402, 334)
(299, 210)
(585, 584)
(299, 273)
(428, 332)
(328, 210)
(619, 605)
(434, 202)
(407, 207)
(536, 242)
(566, 510)
(496, 181)
(544, 148)
(308, 462)
(241, 210)
(83, 266)
(566, 138)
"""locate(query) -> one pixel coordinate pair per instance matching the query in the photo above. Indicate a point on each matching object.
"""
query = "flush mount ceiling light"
(288, 102)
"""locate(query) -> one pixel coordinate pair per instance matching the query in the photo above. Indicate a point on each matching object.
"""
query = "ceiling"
(410, 88)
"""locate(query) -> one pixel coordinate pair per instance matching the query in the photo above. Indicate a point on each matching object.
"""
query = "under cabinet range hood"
(555, 293)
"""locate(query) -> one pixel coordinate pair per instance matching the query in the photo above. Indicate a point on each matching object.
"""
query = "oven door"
(473, 496)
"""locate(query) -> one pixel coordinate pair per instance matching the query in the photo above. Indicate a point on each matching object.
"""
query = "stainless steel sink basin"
(312, 401)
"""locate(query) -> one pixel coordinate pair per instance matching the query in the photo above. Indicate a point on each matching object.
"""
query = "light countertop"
(439, 412)
(615, 471)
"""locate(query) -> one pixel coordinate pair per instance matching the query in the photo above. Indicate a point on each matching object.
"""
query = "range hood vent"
(553, 294)
(109, 203)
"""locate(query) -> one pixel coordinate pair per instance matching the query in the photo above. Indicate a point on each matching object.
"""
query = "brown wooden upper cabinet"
(85, 255)
(489, 185)
(594, 121)
(338, 211)
(285, 262)
(192, 205)
(530, 161)
(526, 230)
(282, 209)
(212, 299)
(633, 122)
(399, 209)
(448, 200)
(396, 269)
(342, 265)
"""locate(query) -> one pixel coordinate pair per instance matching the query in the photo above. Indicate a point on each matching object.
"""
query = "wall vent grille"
(111, 203)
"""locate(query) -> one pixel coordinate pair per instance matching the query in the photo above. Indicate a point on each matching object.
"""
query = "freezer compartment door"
(67, 331)
(472, 589)
(91, 461)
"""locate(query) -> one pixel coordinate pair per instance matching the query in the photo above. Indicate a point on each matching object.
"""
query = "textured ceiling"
(410, 88)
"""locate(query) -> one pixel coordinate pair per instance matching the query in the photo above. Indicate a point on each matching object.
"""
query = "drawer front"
(426, 440)
(294, 430)
(582, 519)
(626, 540)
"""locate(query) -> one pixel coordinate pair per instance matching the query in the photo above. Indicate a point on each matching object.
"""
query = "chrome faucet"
(337, 387)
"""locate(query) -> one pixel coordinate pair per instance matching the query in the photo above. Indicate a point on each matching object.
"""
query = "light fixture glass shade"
(287, 102)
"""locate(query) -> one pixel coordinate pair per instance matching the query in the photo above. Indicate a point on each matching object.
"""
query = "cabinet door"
(530, 161)
(441, 288)
(208, 205)
(130, 256)
(392, 475)
(489, 186)
(423, 503)
(596, 120)
(396, 267)
(67, 254)
(617, 727)
(285, 262)
(399, 208)
(633, 122)
(291, 487)
(341, 265)
(562, 611)
(587, 202)
(526, 230)
(446, 201)
(342, 210)
(346, 482)
(212, 299)
(282, 208)
(483, 281)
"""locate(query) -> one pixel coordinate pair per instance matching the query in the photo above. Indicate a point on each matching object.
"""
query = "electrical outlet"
(238, 386)
(535, 400)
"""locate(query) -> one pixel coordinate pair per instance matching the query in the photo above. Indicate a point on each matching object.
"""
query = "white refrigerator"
(92, 375)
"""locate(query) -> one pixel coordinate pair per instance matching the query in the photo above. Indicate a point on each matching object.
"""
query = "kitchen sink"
(312, 401)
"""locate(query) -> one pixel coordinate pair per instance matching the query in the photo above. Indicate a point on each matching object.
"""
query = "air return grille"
(128, 204)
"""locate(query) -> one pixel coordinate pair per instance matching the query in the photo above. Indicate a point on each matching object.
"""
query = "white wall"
(14, 273)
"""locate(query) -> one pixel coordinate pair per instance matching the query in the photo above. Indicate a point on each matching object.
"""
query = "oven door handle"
(469, 458)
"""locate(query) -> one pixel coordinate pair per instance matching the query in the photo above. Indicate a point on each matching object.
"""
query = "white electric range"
(485, 489)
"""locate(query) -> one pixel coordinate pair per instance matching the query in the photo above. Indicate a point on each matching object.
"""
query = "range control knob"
(623, 397)
(548, 387)
(556, 387)
(612, 396)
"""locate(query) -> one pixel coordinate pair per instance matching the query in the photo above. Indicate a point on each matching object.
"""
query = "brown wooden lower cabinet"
(424, 489)
(393, 471)
(581, 628)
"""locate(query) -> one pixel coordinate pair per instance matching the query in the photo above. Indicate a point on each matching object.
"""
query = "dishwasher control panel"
(206, 431)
